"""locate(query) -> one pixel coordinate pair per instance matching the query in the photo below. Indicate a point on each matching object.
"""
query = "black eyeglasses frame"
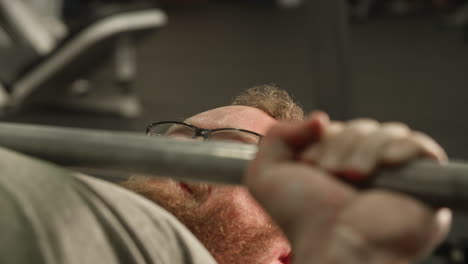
(201, 132)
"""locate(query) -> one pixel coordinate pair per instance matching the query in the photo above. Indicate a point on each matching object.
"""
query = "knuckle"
(333, 129)
(362, 126)
(394, 126)
(392, 131)
(362, 121)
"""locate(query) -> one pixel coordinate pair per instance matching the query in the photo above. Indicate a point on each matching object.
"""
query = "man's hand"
(296, 178)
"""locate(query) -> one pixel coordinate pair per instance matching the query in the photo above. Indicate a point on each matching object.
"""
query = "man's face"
(226, 219)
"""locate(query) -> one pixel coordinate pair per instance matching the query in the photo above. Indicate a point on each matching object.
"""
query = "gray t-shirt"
(52, 215)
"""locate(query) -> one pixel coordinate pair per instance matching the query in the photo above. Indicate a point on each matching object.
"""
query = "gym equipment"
(328, 38)
(437, 185)
(55, 63)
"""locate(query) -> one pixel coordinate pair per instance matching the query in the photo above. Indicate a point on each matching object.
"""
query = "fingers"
(314, 152)
(291, 193)
(405, 231)
(368, 150)
(328, 221)
(299, 134)
(443, 218)
(354, 149)
(285, 141)
(337, 148)
(415, 144)
(370, 227)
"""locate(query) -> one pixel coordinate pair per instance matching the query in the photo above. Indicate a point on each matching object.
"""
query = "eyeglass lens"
(186, 132)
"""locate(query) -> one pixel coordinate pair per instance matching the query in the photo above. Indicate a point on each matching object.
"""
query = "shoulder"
(53, 215)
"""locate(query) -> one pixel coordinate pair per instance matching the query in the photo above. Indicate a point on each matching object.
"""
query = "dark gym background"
(409, 68)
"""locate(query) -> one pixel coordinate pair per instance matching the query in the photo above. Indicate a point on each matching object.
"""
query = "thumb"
(298, 135)
(286, 140)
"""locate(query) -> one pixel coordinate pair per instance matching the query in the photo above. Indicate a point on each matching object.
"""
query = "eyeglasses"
(188, 131)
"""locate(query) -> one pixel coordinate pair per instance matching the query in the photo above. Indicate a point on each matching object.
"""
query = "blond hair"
(272, 100)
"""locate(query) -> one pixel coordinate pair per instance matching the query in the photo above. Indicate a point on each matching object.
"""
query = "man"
(52, 215)
(294, 177)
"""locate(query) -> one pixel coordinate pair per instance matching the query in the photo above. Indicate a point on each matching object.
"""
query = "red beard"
(228, 240)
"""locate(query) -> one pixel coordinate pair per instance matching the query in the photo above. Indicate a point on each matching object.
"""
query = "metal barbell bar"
(219, 162)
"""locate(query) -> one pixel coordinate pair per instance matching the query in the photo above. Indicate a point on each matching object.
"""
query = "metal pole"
(328, 37)
(130, 152)
(219, 162)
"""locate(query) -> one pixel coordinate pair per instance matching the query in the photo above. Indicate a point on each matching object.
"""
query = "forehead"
(235, 116)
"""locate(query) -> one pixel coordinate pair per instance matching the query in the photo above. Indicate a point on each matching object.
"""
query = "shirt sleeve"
(51, 215)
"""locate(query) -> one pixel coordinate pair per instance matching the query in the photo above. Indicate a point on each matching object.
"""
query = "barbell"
(219, 162)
